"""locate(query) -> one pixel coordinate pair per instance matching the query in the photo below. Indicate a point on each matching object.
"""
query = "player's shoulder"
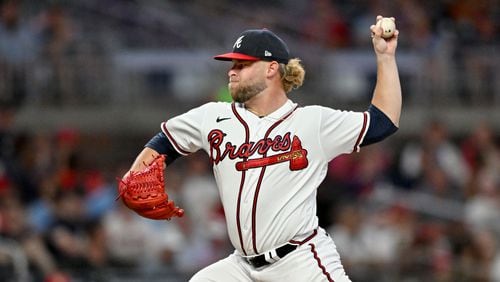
(321, 109)
(314, 109)
(215, 107)
(217, 104)
(322, 112)
(311, 108)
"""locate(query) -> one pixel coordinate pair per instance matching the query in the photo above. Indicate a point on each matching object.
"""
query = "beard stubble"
(243, 93)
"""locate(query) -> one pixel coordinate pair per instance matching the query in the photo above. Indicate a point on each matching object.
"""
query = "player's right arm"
(387, 94)
(385, 108)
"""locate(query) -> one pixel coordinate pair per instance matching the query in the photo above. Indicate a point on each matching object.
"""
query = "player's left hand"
(380, 45)
(144, 192)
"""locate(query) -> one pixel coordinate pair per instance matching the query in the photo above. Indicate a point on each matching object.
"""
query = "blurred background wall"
(84, 84)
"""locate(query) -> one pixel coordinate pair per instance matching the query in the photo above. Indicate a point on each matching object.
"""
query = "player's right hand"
(380, 45)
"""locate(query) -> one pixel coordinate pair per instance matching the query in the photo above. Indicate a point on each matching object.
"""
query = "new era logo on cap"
(258, 44)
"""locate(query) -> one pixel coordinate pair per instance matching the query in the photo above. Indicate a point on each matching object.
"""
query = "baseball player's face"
(246, 80)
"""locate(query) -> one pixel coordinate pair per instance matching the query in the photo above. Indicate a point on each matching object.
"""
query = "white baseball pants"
(315, 260)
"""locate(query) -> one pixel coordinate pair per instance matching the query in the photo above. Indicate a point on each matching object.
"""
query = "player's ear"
(273, 68)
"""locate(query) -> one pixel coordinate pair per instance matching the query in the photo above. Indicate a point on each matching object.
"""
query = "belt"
(278, 253)
(271, 256)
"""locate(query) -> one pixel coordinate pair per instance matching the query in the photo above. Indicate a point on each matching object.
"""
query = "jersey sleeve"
(185, 131)
(342, 132)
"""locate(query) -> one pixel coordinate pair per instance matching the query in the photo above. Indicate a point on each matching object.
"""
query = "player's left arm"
(385, 110)
(157, 145)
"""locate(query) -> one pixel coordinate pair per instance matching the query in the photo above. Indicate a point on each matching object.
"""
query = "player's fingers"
(376, 31)
(396, 33)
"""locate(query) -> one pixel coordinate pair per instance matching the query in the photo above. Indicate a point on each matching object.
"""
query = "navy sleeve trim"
(361, 133)
(380, 127)
(162, 145)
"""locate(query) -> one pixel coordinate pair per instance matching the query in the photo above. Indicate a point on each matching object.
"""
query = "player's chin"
(237, 97)
(233, 87)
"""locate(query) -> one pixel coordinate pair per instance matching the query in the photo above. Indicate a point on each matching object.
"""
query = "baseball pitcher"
(269, 156)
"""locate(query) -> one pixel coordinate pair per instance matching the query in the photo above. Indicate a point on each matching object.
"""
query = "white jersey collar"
(282, 111)
(279, 113)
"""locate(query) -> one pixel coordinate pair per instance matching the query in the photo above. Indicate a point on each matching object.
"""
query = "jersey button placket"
(247, 207)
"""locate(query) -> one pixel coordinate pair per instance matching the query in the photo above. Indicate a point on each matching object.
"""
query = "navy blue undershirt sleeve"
(162, 145)
(380, 127)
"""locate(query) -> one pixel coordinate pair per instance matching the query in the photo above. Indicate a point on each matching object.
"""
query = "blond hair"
(292, 74)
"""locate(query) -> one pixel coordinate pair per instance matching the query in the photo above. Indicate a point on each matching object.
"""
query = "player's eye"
(241, 65)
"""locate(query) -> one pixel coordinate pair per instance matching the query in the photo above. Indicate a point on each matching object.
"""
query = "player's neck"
(266, 103)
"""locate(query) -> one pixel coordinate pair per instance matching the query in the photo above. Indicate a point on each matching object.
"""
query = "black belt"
(272, 256)
(278, 253)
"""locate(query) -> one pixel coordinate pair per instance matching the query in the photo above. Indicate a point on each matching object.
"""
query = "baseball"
(388, 27)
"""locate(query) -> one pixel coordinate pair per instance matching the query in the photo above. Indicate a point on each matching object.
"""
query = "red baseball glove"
(144, 192)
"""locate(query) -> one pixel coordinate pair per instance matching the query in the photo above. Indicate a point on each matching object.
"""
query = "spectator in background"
(76, 242)
(371, 240)
(437, 182)
(7, 133)
(482, 210)
(21, 169)
(352, 177)
(126, 236)
(434, 152)
(417, 22)
(475, 21)
(325, 25)
(476, 25)
(347, 231)
(136, 244)
(57, 35)
(14, 227)
(41, 211)
(482, 155)
(18, 50)
(495, 267)
(475, 261)
(205, 230)
(482, 207)
(133, 242)
(428, 256)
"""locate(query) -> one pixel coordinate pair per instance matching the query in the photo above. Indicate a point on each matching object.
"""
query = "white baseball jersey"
(267, 169)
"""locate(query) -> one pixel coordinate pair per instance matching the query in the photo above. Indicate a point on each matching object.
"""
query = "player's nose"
(231, 73)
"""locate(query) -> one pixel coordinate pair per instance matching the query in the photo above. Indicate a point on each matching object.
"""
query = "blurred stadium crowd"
(421, 206)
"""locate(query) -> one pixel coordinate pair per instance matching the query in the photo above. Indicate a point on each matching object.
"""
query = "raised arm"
(387, 93)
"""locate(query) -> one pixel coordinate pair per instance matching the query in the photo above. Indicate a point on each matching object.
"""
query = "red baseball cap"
(258, 44)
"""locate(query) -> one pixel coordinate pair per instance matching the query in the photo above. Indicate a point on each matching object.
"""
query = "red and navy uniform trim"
(320, 264)
(242, 182)
(172, 140)
(315, 232)
(361, 133)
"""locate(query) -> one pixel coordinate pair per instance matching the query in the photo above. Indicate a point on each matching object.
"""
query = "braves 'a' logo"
(237, 44)
(290, 151)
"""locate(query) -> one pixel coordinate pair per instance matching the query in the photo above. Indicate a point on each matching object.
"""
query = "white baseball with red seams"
(268, 168)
